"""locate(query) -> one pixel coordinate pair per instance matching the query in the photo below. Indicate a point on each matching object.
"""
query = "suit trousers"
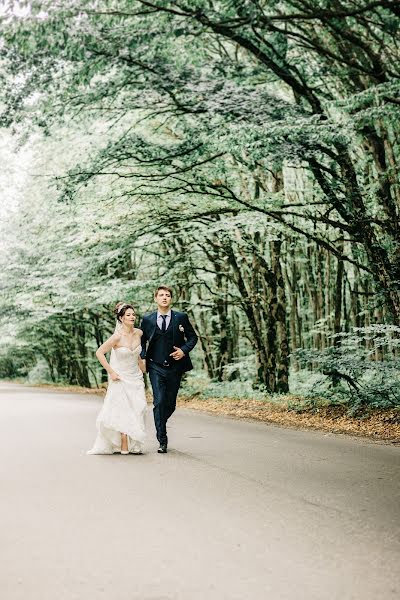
(165, 382)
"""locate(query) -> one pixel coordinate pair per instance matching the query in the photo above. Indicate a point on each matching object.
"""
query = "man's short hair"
(163, 287)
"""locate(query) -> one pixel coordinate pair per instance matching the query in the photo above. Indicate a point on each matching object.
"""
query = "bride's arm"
(102, 351)
(141, 361)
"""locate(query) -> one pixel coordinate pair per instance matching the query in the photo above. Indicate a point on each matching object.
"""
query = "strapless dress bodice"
(125, 361)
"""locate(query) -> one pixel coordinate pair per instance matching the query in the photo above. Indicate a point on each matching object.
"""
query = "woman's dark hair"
(121, 308)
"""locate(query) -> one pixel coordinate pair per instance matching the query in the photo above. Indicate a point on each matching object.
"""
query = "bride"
(120, 423)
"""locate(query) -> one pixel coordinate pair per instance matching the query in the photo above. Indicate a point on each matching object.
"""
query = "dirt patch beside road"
(377, 424)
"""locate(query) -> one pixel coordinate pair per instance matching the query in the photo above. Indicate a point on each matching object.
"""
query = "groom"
(167, 339)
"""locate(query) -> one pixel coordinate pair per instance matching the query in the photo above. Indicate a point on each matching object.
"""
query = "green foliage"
(354, 372)
(197, 387)
(16, 362)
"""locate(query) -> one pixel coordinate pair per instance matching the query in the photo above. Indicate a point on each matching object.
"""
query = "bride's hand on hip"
(114, 376)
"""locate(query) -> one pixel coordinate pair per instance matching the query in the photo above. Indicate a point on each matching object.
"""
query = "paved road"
(234, 511)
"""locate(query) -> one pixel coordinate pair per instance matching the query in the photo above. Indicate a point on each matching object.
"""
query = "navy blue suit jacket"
(184, 336)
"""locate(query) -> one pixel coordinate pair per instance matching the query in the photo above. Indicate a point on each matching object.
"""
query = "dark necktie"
(164, 323)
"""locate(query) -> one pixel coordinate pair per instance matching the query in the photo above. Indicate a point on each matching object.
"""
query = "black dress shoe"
(162, 449)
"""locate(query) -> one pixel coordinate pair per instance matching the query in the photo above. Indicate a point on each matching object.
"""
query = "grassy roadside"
(289, 411)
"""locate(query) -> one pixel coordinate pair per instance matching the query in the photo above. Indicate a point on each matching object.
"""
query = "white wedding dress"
(124, 406)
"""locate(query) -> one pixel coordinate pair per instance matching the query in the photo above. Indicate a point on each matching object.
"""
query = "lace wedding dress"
(124, 406)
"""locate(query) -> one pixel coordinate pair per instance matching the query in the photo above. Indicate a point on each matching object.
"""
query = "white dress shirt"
(160, 320)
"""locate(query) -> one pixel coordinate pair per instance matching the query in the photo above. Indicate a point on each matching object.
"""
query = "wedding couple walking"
(161, 347)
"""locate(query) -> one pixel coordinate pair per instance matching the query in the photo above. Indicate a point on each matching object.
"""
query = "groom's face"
(163, 299)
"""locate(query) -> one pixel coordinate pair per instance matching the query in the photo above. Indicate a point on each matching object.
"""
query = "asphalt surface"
(234, 511)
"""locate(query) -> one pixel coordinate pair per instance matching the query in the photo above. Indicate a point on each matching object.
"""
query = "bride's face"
(129, 318)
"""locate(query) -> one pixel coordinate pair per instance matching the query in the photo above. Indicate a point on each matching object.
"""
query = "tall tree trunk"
(282, 366)
(337, 327)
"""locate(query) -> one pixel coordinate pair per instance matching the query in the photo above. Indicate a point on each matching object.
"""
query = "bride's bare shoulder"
(115, 338)
(138, 331)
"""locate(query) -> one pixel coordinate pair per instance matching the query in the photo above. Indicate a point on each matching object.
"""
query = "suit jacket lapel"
(174, 324)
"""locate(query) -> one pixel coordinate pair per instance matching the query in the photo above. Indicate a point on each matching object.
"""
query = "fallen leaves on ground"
(378, 424)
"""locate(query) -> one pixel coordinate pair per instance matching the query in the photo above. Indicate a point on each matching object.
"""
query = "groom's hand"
(177, 354)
